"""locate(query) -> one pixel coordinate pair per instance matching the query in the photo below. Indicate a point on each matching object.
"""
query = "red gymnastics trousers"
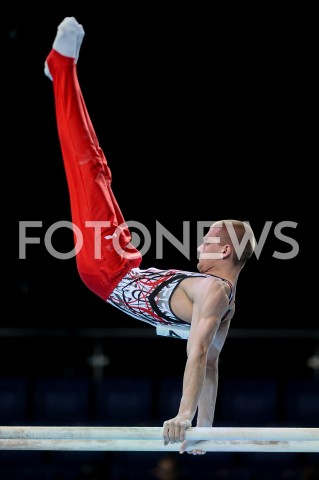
(105, 255)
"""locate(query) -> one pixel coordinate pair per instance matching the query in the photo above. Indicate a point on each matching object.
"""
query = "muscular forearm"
(207, 399)
(193, 382)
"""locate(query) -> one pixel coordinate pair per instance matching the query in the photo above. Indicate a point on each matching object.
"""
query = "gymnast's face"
(211, 250)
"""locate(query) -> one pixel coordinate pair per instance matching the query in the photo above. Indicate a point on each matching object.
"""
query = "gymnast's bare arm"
(210, 305)
(208, 396)
(207, 400)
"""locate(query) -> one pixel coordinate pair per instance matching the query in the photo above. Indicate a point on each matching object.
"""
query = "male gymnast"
(197, 306)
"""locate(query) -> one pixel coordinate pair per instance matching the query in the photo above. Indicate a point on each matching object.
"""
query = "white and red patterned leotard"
(146, 294)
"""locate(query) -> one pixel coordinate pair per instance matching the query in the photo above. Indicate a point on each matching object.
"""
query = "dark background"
(201, 118)
(197, 125)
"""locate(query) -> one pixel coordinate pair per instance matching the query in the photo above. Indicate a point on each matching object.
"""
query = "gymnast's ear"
(226, 250)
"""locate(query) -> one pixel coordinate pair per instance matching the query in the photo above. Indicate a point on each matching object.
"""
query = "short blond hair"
(239, 229)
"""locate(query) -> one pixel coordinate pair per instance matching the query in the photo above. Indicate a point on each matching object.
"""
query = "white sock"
(47, 71)
(68, 40)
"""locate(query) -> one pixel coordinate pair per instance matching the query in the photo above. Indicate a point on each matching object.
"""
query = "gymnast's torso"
(147, 295)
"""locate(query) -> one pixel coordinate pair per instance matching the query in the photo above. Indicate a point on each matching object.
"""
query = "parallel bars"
(215, 439)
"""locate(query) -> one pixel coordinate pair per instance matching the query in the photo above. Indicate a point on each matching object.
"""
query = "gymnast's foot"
(68, 40)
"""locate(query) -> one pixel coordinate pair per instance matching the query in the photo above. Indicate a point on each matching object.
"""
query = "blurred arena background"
(200, 120)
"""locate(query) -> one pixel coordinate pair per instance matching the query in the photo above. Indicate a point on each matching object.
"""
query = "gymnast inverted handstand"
(193, 305)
